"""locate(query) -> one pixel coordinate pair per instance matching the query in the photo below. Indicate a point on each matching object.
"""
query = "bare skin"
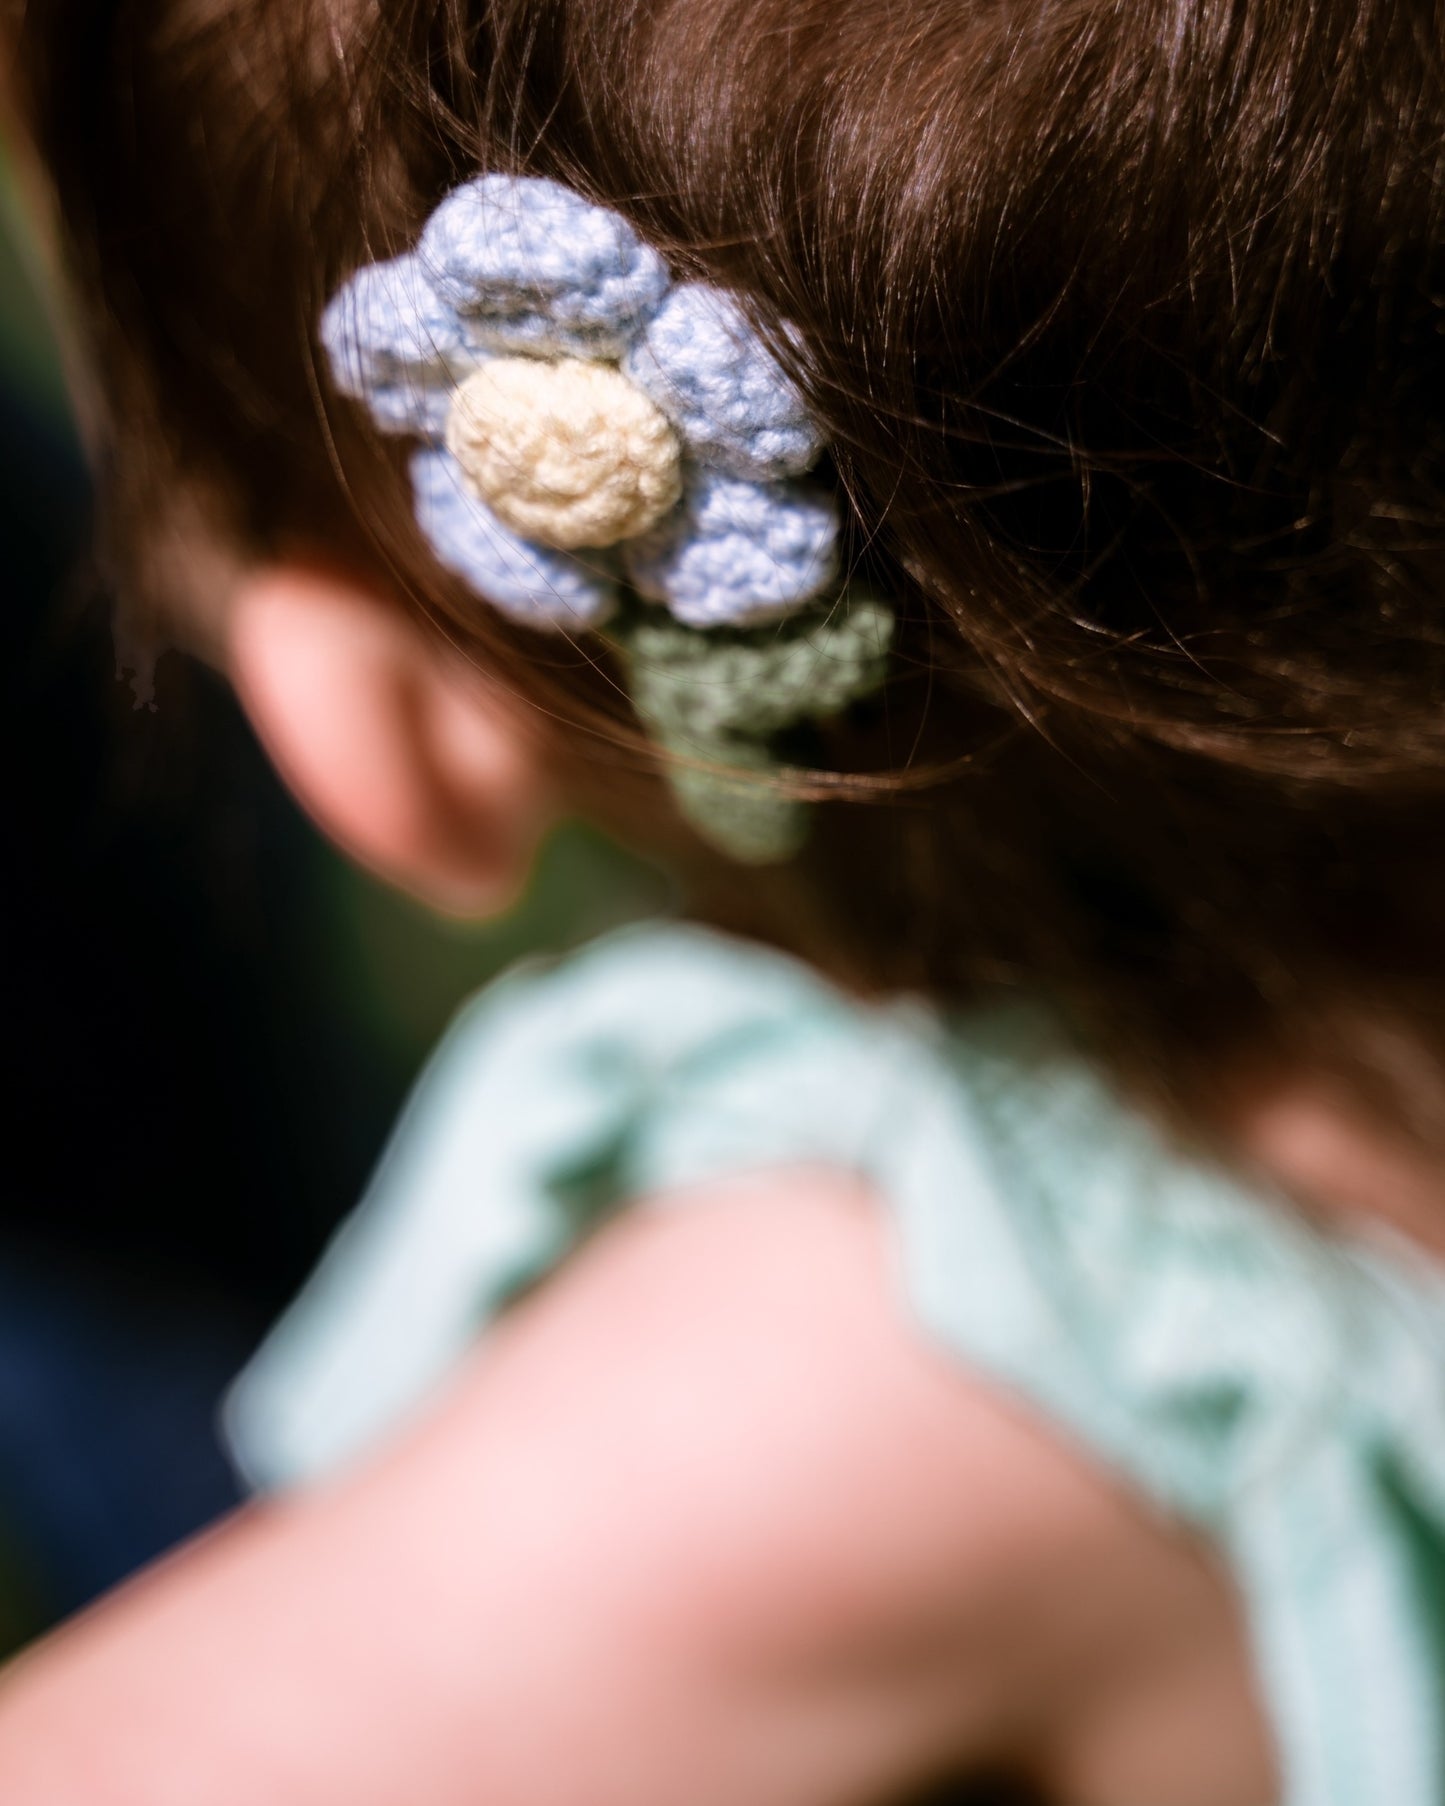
(707, 1518)
(1343, 1168)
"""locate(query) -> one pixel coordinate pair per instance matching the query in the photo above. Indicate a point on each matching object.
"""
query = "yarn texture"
(700, 358)
(600, 444)
(738, 552)
(714, 702)
(568, 453)
(528, 265)
(514, 270)
(395, 344)
(517, 575)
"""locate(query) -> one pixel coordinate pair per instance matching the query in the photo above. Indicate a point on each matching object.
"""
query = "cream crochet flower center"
(566, 452)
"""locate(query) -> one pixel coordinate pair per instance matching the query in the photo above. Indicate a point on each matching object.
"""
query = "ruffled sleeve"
(1283, 1391)
(651, 1059)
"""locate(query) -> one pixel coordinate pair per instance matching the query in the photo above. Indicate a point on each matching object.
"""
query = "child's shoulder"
(1273, 1387)
(1042, 1226)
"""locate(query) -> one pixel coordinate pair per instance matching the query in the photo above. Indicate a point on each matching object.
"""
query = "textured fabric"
(713, 701)
(393, 343)
(701, 361)
(644, 432)
(567, 452)
(737, 552)
(510, 265)
(1283, 1391)
(519, 577)
(530, 266)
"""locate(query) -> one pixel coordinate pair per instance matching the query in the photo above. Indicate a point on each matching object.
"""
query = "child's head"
(1125, 324)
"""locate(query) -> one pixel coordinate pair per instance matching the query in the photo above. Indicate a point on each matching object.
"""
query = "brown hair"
(1126, 321)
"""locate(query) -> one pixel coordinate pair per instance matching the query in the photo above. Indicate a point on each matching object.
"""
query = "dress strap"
(1281, 1390)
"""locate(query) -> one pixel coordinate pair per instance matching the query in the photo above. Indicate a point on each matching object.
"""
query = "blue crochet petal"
(395, 344)
(701, 361)
(534, 584)
(532, 267)
(736, 552)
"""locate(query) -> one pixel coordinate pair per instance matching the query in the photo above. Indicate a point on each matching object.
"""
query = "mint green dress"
(1280, 1390)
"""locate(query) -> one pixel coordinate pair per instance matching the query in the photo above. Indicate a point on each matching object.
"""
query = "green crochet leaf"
(720, 698)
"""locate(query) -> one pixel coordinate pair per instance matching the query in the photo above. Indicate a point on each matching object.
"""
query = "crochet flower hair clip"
(593, 431)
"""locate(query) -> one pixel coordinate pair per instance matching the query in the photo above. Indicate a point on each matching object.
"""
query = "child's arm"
(702, 1521)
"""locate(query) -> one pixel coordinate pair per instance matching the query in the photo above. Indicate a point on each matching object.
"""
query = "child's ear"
(397, 748)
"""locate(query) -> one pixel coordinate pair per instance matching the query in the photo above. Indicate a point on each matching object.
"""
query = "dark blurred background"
(209, 1023)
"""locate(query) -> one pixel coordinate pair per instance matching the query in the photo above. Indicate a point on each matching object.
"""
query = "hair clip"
(591, 429)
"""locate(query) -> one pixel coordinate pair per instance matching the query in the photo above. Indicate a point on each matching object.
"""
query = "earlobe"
(395, 748)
